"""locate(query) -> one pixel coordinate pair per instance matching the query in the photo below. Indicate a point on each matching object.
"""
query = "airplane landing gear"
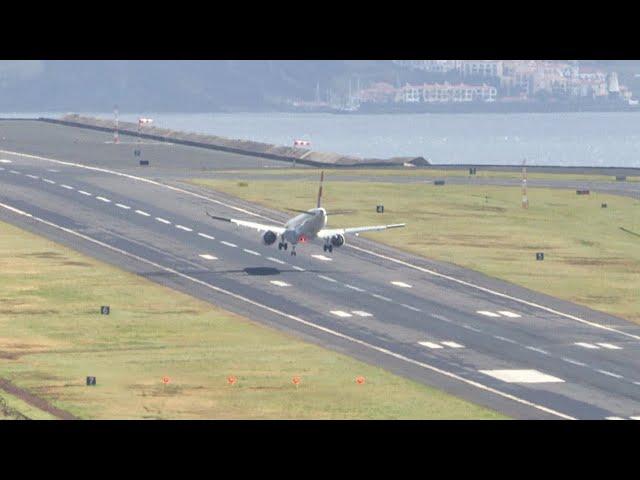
(282, 245)
(293, 250)
(328, 248)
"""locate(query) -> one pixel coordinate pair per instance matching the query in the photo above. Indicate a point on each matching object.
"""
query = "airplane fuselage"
(305, 227)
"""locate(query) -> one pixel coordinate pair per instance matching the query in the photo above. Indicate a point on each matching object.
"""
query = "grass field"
(588, 258)
(426, 173)
(52, 337)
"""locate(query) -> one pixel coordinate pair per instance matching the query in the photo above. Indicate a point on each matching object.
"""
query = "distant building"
(480, 68)
(443, 93)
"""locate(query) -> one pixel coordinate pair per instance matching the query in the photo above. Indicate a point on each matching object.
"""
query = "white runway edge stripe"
(297, 319)
(360, 249)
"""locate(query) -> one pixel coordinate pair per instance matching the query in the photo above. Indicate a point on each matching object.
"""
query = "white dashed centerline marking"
(35, 177)
(295, 267)
(124, 207)
(509, 314)
(15, 172)
(340, 313)
(610, 346)
(328, 279)
(4, 161)
(610, 374)
(574, 362)
(487, 314)
(357, 289)
(143, 213)
(229, 244)
(274, 260)
(322, 257)
(208, 237)
(280, 283)
(386, 299)
(206, 256)
(587, 345)
(452, 344)
(68, 187)
(360, 313)
(251, 252)
(431, 345)
(401, 284)
(48, 181)
(539, 350)
(84, 193)
(102, 199)
(186, 229)
(504, 339)
(162, 220)
(410, 307)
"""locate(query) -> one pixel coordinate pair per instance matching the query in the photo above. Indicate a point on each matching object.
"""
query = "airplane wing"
(330, 232)
(255, 226)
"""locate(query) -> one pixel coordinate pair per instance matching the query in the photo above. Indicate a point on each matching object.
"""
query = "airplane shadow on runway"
(252, 271)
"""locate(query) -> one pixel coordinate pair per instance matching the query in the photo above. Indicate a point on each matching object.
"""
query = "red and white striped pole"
(116, 138)
(525, 200)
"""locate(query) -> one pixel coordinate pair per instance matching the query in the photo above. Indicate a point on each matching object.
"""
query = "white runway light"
(522, 376)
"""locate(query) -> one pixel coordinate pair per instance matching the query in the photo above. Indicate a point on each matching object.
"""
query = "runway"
(522, 353)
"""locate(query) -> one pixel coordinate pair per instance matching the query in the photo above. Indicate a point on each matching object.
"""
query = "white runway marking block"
(360, 313)
(4, 161)
(432, 345)
(487, 314)
(322, 257)
(452, 344)
(509, 314)
(340, 313)
(610, 346)
(401, 284)
(522, 376)
(206, 256)
(587, 345)
(280, 283)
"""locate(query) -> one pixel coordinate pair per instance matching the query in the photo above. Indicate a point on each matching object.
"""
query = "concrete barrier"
(242, 147)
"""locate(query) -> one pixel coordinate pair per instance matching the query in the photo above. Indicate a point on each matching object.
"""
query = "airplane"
(310, 224)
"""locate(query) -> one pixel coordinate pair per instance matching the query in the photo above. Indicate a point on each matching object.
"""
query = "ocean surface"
(568, 139)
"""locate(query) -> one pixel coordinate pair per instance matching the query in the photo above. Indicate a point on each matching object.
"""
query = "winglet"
(320, 190)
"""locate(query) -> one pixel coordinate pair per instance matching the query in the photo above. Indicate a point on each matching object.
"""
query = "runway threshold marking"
(369, 252)
(522, 376)
(295, 318)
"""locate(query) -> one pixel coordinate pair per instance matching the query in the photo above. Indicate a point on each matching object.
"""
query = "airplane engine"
(337, 240)
(268, 238)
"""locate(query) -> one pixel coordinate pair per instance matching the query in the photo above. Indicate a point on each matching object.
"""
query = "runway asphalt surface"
(522, 353)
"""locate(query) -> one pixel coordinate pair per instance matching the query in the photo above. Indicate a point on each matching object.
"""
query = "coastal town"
(484, 85)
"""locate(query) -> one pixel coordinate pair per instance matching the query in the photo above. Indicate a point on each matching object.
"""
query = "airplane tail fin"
(320, 190)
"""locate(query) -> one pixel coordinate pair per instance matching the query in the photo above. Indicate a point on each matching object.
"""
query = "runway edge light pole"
(525, 200)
